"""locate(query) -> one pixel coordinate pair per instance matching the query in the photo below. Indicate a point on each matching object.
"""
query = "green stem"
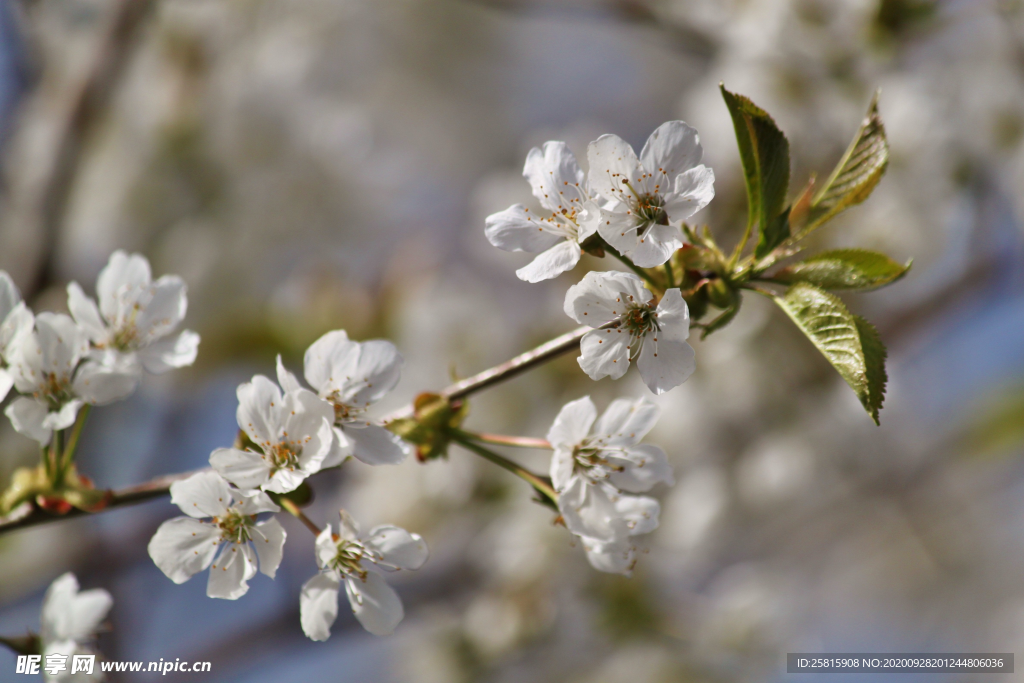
(465, 440)
(514, 441)
(53, 455)
(669, 275)
(76, 433)
(291, 507)
(740, 245)
(629, 264)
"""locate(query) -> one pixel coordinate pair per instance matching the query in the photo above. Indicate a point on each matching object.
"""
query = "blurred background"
(324, 164)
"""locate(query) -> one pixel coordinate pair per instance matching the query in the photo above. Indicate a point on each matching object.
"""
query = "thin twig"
(291, 507)
(542, 486)
(154, 488)
(514, 441)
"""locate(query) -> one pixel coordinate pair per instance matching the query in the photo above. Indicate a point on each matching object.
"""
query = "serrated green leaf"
(764, 151)
(844, 269)
(874, 357)
(850, 344)
(856, 174)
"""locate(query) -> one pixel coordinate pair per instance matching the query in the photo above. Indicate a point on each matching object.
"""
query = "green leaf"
(850, 343)
(764, 152)
(844, 269)
(856, 174)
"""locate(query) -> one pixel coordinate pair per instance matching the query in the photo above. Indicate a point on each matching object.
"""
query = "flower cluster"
(598, 468)
(634, 207)
(287, 433)
(60, 363)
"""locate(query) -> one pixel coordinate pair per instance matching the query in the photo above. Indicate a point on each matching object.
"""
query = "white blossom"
(219, 517)
(291, 437)
(647, 199)
(631, 326)
(560, 186)
(595, 471)
(15, 324)
(53, 366)
(351, 376)
(70, 620)
(136, 317)
(358, 562)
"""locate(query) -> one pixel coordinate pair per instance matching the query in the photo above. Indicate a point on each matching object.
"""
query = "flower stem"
(542, 487)
(636, 269)
(670, 277)
(515, 441)
(734, 259)
(53, 456)
(294, 509)
(76, 433)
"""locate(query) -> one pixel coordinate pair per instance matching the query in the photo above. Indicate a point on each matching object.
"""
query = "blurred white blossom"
(561, 188)
(69, 621)
(631, 326)
(136, 317)
(647, 199)
(15, 322)
(357, 561)
(184, 546)
(291, 433)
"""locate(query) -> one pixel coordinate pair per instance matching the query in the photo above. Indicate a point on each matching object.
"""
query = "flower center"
(588, 462)
(342, 411)
(234, 526)
(649, 209)
(55, 390)
(348, 559)
(284, 456)
(639, 319)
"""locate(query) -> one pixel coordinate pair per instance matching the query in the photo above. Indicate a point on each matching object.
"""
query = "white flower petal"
(562, 466)
(244, 469)
(27, 416)
(614, 557)
(639, 512)
(104, 381)
(673, 148)
(268, 539)
(62, 343)
(374, 445)
(618, 227)
(604, 353)
(86, 314)
(554, 176)
(673, 317)
(642, 466)
(63, 418)
(613, 163)
(204, 494)
(260, 411)
(231, 571)
(288, 381)
(169, 353)
(375, 603)
(254, 502)
(14, 329)
(626, 421)
(398, 547)
(552, 263)
(318, 605)
(122, 273)
(183, 546)
(6, 382)
(285, 480)
(9, 295)
(656, 246)
(72, 615)
(341, 448)
(326, 547)
(665, 364)
(573, 423)
(601, 297)
(376, 371)
(517, 229)
(588, 220)
(588, 510)
(164, 310)
(691, 192)
(329, 360)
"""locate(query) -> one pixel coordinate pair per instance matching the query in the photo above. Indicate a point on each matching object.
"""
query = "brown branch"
(30, 515)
